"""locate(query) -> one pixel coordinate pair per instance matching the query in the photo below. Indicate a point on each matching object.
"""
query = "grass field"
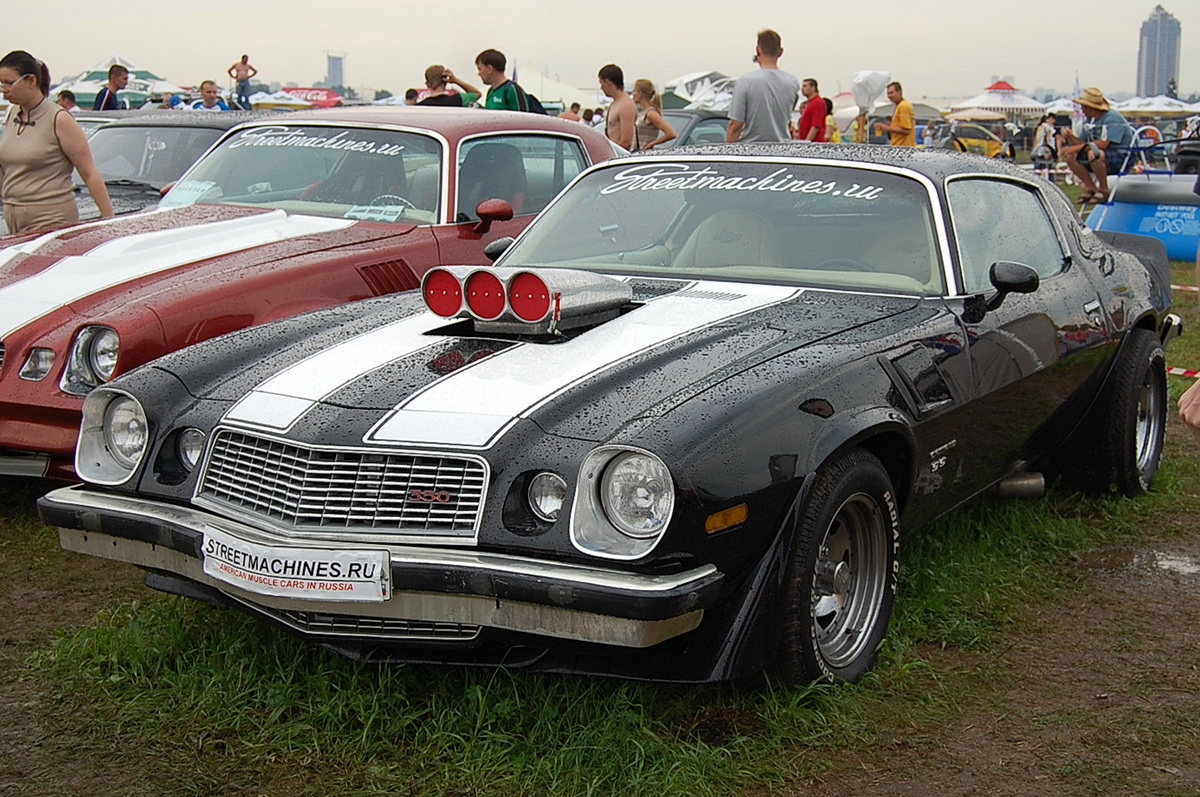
(180, 698)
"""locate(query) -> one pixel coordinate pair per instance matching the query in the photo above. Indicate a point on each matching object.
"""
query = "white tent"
(1161, 105)
(1002, 97)
(692, 86)
(1061, 106)
(143, 83)
(548, 90)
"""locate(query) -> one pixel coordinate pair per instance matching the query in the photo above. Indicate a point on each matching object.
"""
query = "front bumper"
(433, 588)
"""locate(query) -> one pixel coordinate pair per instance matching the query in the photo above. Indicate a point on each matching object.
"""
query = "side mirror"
(491, 210)
(497, 248)
(1008, 277)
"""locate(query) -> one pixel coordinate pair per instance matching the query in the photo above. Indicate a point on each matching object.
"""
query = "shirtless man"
(622, 114)
(242, 72)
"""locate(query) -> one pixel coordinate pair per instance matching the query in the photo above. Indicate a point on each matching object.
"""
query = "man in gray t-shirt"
(763, 100)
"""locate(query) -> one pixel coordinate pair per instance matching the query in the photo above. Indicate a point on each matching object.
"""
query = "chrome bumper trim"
(488, 611)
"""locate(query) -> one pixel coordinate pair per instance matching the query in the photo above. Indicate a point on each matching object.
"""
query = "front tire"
(841, 581)
(1132, 442)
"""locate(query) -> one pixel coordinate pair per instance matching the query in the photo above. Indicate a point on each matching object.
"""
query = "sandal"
(1098, 198)
(1086, 196)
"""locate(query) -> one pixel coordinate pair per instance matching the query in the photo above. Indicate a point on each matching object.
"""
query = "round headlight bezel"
(126, 431)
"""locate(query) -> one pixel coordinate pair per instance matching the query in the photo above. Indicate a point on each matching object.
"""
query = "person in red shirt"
(812, 118)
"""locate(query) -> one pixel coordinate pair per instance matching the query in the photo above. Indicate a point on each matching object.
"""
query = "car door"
(527, 170)
(1031, 355)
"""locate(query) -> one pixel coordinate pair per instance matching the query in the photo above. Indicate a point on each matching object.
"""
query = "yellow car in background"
(970, 137)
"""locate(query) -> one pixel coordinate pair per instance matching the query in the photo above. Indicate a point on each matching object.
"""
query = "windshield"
(152, 155)
(353, 173)
(760, 221)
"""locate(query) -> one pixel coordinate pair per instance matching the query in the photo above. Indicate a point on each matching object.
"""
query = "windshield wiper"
(124, 181)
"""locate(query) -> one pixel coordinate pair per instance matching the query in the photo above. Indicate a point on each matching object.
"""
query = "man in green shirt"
(503, 94)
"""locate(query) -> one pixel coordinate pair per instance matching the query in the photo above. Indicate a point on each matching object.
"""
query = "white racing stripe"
(283, 399)
(474, 405)
(135, 256)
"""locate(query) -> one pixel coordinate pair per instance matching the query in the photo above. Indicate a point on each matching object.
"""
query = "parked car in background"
(696, 127)
(284, 215)
(139, 156)
(680, 431)
(971, 137)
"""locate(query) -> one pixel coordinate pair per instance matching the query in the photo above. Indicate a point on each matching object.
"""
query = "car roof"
(450, 122)
(937, 164)
(176, 118)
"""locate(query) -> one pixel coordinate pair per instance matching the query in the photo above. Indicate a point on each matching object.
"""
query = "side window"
(997, 220)
(525, 170)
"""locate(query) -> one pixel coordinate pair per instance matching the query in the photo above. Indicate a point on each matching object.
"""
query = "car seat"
(731, 238)
(491, 170)
(360, 178)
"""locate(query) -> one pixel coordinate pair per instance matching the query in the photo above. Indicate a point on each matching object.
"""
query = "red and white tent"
(1002, 97)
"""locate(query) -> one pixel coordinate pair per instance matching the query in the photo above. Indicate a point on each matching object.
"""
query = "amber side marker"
(726, 519)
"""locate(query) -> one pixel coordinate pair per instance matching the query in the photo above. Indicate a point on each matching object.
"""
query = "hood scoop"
(524, 301)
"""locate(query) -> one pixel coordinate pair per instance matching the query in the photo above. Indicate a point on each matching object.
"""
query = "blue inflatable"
(1163, 206)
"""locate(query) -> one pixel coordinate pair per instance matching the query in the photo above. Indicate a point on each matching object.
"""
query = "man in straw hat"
(1105, 143)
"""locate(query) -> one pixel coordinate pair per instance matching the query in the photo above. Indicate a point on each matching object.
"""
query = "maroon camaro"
(284, 215)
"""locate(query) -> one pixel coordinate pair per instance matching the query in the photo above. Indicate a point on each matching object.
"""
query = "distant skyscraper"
(334, 76)
(1158, 54)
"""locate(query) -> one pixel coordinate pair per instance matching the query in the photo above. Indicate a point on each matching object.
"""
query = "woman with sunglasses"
(40, 146)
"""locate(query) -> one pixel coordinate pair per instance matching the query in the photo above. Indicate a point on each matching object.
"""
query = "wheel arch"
(882, 434)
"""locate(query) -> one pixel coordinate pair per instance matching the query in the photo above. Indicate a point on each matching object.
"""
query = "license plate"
(316, 574)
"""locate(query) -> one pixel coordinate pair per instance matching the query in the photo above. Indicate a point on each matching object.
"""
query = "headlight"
(624, 500)
(113, 437)
(190, 448)
(92, 360)
(637, 495)
(125, 431)
(547, 493)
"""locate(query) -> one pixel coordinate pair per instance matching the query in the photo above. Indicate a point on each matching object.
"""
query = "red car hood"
(68, 265)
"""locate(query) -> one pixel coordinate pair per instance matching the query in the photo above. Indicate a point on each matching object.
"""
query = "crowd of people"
(36, 168)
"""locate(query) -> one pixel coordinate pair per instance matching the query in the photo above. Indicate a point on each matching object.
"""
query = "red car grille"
(350, 490)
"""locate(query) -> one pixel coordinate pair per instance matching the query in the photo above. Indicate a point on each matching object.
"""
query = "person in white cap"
(1105, 143)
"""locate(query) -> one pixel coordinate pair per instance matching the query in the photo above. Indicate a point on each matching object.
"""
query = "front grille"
(373, 627)
(1, 355)
(349, 490)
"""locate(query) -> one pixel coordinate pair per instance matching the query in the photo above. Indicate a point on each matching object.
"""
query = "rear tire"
(841, 581)
(1131, 444)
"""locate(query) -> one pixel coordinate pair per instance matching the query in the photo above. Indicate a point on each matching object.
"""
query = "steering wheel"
(398, 199)
(844, 264)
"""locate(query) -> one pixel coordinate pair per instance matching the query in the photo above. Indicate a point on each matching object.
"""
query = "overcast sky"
(936, 49)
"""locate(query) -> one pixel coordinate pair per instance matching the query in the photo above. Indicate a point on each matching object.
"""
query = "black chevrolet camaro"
(679, 431)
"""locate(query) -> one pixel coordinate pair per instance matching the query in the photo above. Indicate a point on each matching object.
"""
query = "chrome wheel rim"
(849, 581)
(1148, 430)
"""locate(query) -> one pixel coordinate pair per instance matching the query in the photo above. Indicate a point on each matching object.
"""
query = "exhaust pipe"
(1021, 485)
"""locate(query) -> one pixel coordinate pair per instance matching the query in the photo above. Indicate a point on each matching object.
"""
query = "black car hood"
(386, 371)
